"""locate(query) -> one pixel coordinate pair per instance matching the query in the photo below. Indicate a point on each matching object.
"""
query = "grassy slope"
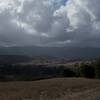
(51, 89)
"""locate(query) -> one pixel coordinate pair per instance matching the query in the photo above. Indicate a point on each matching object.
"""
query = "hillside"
(51, 89)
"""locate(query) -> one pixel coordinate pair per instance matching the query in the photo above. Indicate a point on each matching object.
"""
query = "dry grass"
(51, 89)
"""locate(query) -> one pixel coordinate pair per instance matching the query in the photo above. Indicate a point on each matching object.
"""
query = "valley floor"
(51, 89)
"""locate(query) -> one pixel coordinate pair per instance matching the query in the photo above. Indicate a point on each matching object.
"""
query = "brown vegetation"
(51, 89)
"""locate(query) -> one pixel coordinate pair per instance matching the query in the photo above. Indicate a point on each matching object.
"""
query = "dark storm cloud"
(50, 22)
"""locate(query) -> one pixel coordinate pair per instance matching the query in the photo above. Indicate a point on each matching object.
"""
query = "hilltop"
(51, 89)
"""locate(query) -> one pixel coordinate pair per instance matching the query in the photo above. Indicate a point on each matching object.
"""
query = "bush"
(76, 69)
(97, 69)
(68, 72)
(60, 71)
(87, 71)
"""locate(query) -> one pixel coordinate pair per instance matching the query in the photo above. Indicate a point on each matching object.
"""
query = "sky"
(50, 23)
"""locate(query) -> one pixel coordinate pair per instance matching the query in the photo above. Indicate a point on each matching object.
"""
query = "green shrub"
(87, 71)
(97, 69)
(68, 72)
(76, 69)
(60, 71)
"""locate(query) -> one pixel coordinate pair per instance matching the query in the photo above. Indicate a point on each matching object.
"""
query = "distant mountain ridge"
(58, 52)
(12, 59)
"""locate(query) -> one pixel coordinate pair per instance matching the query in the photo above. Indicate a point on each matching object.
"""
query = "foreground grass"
(51, 89)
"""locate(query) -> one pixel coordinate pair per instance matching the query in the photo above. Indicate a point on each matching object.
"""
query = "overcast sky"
(50, 22)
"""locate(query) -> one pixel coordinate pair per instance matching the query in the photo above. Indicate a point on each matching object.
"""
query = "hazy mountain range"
(58, 52)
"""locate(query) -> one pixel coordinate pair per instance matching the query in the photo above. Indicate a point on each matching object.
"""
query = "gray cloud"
(50, 22)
